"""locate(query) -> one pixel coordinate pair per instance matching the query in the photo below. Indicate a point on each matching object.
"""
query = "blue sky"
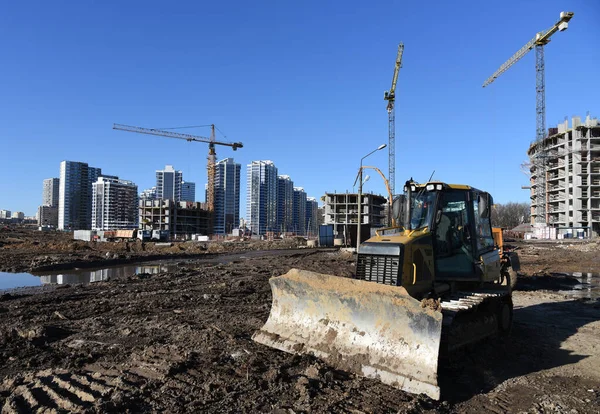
(299, 83)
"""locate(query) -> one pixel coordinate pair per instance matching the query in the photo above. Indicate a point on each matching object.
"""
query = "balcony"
(554, 177)
(556, 165)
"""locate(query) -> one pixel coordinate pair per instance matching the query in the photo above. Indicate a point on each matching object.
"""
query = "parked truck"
(160, 235)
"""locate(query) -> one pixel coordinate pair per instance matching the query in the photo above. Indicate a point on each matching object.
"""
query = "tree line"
(511, 214)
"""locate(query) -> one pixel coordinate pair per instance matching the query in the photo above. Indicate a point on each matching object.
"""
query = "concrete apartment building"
(5, 214)
(565, 193)
(261, 208)
(180, 219)
(75, 195)
(312, 217)
(168, 183)
(341, 210)
(50, 192)
(227, 196)
(149, 194)
(114, 204)
(188, 191)
(18, 215)
(285, 204)
(47, 214)
(299, 211)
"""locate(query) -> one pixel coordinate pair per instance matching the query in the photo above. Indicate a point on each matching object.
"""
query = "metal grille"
(380, 269)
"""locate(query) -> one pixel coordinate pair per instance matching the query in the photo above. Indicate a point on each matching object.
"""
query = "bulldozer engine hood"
(397, 260)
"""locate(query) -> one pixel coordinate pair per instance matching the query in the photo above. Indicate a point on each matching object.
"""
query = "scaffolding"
(565, 176)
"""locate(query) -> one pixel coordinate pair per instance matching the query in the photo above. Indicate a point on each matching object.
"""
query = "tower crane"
(212, 155)
(539, 41)
(390, 97)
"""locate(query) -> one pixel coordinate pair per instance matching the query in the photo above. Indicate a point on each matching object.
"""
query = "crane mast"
(538, 42)
(212, 154)
(210, 166)
(390, 97)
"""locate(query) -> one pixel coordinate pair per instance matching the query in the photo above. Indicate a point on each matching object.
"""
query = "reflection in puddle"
(91, 276)
(588, 287)
(81, 276)
(579, 285)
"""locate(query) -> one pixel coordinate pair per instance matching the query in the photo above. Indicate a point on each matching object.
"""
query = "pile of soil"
(538, 256)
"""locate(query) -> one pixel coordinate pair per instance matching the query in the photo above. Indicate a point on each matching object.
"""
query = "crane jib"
(178, 135)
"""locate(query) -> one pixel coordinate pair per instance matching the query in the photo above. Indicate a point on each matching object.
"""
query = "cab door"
(453, 245)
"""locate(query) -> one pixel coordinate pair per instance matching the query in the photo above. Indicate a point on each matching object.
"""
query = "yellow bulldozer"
(432, 283)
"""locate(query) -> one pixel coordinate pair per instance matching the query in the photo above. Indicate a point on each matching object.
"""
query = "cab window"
(483, 229)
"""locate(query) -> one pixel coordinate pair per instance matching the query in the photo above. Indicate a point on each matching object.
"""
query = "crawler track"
(470, 317)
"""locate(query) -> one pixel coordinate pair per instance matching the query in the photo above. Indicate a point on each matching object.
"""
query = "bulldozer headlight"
(431, 187)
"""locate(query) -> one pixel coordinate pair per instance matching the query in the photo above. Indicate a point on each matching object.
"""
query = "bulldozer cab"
(457, 218)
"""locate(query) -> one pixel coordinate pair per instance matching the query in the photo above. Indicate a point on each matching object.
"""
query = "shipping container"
(326, 235)
(85, 235)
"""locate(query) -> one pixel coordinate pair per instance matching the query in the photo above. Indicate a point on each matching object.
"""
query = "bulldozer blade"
(369, 329)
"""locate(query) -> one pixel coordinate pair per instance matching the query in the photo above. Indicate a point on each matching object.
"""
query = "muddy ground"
(27, 250)
(181, 342)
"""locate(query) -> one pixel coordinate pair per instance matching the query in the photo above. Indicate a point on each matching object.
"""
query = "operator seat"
(443, 236)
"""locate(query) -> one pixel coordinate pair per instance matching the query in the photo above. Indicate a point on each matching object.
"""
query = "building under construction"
(341, 210)
(180, 219)
(565, 179)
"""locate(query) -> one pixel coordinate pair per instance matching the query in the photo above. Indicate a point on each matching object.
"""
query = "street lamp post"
(360, 184)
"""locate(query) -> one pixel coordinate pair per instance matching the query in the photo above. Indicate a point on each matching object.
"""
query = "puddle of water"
(588, 285)
(79, 276)
(17, 280)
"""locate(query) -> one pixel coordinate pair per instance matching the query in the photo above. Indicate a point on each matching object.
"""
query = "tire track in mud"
(94, 388)
(58, 391)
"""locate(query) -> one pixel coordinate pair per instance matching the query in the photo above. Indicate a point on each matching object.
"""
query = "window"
(483, 229)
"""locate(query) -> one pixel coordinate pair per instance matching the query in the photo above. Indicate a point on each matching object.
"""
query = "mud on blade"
(373, 330)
